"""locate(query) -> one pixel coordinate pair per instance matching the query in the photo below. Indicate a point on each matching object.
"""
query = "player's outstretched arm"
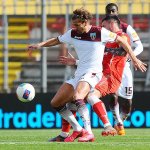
(136, 62)
(48, 43)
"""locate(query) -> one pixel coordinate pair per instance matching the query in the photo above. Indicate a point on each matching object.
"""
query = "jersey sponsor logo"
(93, 36)
(77, 37)
(116, 51)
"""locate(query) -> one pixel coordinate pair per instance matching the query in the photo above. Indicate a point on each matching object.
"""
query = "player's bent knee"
(92, 99)
(79, 95)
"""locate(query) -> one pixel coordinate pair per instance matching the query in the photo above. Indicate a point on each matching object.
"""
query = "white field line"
(75, 143)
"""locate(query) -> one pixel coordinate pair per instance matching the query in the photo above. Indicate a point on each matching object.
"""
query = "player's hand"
(140, 65)
(32, 47)
(67, 61)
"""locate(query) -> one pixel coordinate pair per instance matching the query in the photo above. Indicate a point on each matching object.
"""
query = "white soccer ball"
(25, 92)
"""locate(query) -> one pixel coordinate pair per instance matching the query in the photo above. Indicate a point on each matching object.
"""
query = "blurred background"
(24, 22)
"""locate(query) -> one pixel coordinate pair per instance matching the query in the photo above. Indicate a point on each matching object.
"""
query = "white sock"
(64, 134)
(84, 114)
(67, 115)
(117, 114)
(107, 124)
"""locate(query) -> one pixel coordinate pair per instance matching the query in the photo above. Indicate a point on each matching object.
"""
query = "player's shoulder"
(123, 26)
(74, 32)
(96, 28)
(93, 29)
(92, 35)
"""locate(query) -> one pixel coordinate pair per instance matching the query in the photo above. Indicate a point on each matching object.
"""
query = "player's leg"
(125, 109)
(64, 95)
(84, 86)
(81, 107)
(81, 91)
(114, 82)
(65, 125)
(99, 108)
(114, 107)
(64, 131)
(126, 106)
(125, 94)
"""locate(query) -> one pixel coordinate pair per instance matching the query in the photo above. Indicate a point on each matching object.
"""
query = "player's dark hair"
(112, 17)
(82, 14)
(108, 7)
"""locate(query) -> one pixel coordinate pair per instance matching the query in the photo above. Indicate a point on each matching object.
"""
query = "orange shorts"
(108, 85)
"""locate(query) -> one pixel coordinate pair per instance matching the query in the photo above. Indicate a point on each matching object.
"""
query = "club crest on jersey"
(93, 36)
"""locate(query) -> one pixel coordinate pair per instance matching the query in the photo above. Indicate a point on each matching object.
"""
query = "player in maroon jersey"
(117, 56)
(89, 43)
(124, 26)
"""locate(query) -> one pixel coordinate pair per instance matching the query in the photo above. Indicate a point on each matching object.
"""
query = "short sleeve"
(65, 38)
(107, 36)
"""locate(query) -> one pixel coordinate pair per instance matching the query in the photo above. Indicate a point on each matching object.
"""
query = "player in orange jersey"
(125, 93)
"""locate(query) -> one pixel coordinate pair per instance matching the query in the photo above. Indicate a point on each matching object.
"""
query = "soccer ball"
(25, 92)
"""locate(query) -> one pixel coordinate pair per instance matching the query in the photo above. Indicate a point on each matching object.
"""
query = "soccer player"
(88, 42)
(113, 64)
(125, 92)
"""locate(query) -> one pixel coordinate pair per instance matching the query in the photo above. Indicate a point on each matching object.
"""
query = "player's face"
(106, 25)
(79, 25)
(112, 10)
(109, 25)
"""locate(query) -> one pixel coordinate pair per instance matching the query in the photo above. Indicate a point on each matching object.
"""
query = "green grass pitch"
(135, 139)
